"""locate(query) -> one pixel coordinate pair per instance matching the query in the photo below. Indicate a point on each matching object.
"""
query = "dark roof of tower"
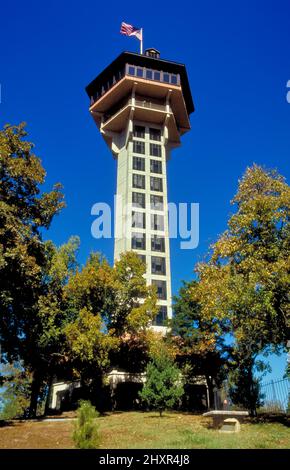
(144, 61)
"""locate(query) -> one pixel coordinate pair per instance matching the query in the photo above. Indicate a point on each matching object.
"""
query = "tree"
(24, 213)
(107, 317)
(86, 433)
(201, 349)
(163, 386)
(16, 391)
(244, 387)
(246, 282)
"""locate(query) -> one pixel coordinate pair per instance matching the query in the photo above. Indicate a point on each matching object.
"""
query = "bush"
(163, 387)
(86, 433)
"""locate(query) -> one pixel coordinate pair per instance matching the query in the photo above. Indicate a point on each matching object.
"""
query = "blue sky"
(238, 61)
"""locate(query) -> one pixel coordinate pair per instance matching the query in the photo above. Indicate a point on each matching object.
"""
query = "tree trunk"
(35, 390)
(47, 409)
(210, 387)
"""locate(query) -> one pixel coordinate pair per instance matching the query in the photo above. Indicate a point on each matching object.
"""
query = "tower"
(141, 105)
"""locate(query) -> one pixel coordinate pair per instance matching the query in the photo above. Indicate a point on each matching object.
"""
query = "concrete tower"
(141, 105)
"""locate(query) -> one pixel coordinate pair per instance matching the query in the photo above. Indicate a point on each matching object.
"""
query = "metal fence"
(276, 395)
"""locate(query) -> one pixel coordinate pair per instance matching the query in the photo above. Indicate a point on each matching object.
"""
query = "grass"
(148, 431)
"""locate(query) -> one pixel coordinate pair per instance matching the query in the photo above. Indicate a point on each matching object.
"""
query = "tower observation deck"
(141, 105)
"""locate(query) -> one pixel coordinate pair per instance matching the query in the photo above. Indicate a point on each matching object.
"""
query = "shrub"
(86, 433)
(163, 387)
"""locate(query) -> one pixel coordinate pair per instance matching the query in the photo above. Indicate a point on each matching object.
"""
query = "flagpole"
(141, 42)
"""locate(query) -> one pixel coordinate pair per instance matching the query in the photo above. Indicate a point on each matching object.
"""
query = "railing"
(144, 104)
(275, 396)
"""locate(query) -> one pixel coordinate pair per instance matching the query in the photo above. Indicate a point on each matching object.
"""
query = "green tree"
(86, 433)
(163, 387)
(16, 391)
(201, 349)
(107, 316)
(246, 282)
(24, 213)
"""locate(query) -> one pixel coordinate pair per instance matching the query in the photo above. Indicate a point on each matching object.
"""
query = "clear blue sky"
(238, 61)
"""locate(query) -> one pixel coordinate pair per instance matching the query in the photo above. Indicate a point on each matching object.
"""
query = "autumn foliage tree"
(246, 282)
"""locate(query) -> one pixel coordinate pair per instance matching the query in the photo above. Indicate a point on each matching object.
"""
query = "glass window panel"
(157, 222)
(139, 164)
(138, 181)
(156, 202)
(138, 200)
(139, 131)
(156, 184)
(173, 79)
(138, 147)
(158, 265)
(156, 166)
(149, 74)
(157, 76)
(138, 241)
(157, 243)
(161, 317)
(139, 72)
(166, 77)
(155, 134)
(155, 150)
(131, 70)
(138, 219)
(161, 288)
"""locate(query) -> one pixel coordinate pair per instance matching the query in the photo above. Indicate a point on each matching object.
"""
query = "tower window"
(156, 183)
(158, 265)
(131, 70)
(138, 181)
(138, 219)
(138, 241)
(139, 163)
(161, 316)
(139, 72)
(157, 243)
(157, 222)
(156, 166)
(149, 74)
(138, 147)
(174, 79)
(157, 76)
(139, 131)
(166, 77)
(161, 288)
(138, 200)
(155, 134)
(155, 150)
(156, 202)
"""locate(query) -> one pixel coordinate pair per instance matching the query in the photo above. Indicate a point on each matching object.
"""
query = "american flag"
(129, 30)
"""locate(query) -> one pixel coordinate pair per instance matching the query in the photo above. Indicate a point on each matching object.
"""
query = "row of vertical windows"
(139, 221)
(156, 201)
(139, 147)
(138, 181)
(139, 242)
(139, 164)
(154, 134)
